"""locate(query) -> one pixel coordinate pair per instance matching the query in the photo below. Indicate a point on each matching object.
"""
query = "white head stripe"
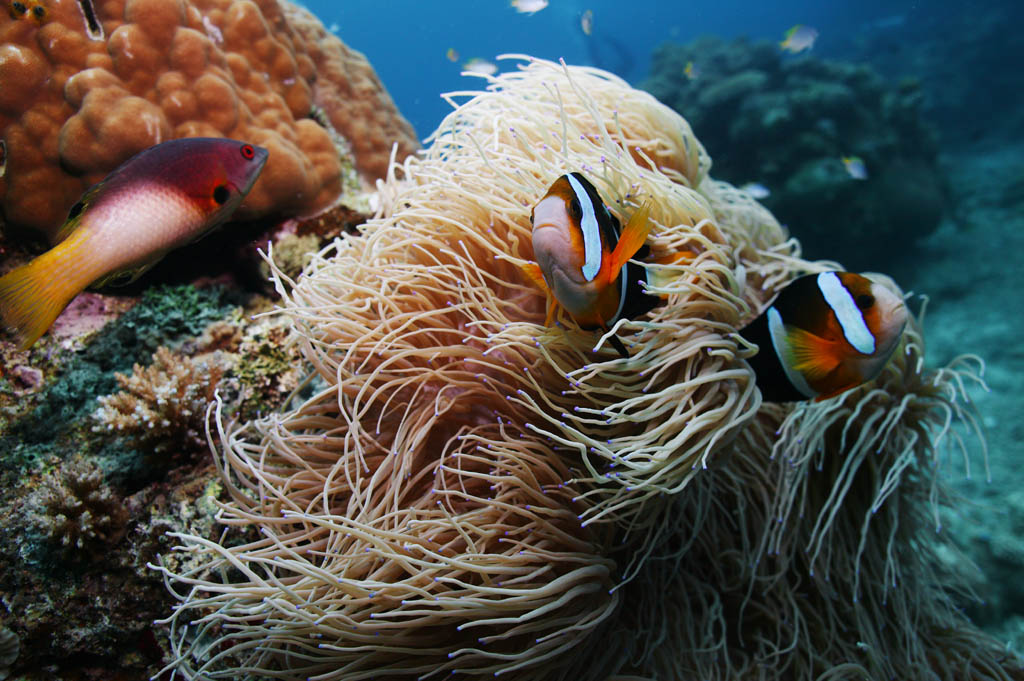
(591, 231)
(777, 332)
(838, 297)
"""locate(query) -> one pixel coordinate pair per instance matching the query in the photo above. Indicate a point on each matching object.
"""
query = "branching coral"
(470, 492)
(162, 407)
(80, 513)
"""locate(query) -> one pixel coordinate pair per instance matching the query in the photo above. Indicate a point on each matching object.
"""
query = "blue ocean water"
(407, 42)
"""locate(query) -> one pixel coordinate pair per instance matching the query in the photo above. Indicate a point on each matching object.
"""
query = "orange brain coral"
(85, 84)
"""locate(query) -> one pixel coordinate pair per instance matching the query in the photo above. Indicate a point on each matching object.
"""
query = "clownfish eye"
(574, 209)
(221, 194)
(865, 301)
(248, 153)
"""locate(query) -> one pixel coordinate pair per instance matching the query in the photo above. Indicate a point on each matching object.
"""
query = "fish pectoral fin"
(75, 215)
(532, 270)
(120, 278)
(811, 355)
(535, 275)
(632, 239)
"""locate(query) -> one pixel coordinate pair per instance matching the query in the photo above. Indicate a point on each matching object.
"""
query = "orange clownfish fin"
(535, 275)
(632, 239)
(811, 355)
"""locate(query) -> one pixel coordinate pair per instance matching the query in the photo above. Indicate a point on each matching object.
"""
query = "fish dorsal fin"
(75, 215)
(632, 239)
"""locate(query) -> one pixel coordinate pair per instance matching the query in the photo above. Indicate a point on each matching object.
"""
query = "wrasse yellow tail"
(33, 295)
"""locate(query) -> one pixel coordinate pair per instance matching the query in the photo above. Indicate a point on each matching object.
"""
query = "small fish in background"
(333, 28)
(529, 6)
(582, 257)
(452, 55)
(162, 198)
(799, 38)
(587, 22)
(692, 71)
(756, 190)
(824, 334)
(482, 66)
(855, 167)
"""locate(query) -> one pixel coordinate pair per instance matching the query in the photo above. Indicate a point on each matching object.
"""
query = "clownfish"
(824, 334)
(582, 257)
(160, 199)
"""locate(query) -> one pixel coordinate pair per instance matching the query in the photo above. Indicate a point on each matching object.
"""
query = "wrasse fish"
(824, 334)
(529, 6)
(482, 66)
(160, 199)
(799, 38)
(855, 167)
(583, 257)
(756, 190)
(587, 22)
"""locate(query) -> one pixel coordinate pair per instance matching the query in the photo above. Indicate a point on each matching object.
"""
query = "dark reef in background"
(787, 122)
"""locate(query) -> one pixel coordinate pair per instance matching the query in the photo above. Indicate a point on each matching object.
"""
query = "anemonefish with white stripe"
(582, 257)
(824, 334)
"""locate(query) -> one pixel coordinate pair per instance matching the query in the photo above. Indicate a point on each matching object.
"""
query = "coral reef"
(162, 408)
(468, 491)
(79, 513)
(787, 123)
(87, 85)
(8, 651)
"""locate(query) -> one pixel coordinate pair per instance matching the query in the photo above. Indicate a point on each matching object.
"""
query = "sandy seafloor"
(972, 270)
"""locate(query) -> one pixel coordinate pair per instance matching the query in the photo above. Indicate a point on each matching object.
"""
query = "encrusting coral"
(162, 407)
(469, 492)
(88, 84)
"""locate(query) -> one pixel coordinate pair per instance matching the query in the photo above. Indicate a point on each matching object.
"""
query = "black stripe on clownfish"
(824, 334)
(583, 257)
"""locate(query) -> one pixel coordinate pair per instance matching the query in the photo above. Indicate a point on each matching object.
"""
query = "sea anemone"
(468, 491)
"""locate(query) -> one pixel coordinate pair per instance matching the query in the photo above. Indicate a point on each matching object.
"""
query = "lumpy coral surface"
(88, 84)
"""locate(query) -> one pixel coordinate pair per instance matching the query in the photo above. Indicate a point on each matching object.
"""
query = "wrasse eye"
(865, 301)
(574, 209)
(248, 153)
(221, 194)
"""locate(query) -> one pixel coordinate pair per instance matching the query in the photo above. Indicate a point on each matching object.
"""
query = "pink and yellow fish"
(799, 38)
(160, 199)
